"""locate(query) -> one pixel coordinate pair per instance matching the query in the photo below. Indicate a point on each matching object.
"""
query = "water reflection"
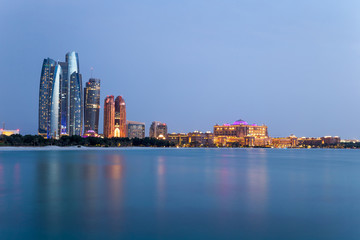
(157, 194)
(78, 178)
(17, 174)
(48, 178)
(114, 166)
(257, 184)
(160, 186)
(2, 177)
(114, 171)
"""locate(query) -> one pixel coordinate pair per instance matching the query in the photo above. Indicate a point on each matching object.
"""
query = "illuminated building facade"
(90, 133)
(120, 118)
(60, 98)
(329, 140)
(109, 117)
(6, 132)
(55, 107)
(158, 130)
(200, 138)
(194, 139)
(135, 129)
(180, 139)
(92, 105)
(240, 132)
(285, 142)
(310, 142)
(319, 142)
(75, 122)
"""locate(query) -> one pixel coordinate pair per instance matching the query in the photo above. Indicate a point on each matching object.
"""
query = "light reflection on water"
(172, 194)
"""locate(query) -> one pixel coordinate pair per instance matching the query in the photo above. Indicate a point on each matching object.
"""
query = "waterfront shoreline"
(89, 148)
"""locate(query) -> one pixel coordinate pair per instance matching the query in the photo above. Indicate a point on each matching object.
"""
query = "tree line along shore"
(18, 140)
(38, 141)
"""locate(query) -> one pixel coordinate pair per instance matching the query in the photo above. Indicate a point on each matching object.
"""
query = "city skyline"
(260, 61)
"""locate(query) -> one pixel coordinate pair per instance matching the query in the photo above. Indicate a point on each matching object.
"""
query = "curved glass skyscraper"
(54, 130)
(71, 97)
(60, 98)
(44, 96)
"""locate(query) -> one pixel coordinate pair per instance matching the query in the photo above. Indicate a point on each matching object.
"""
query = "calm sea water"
(180, 194)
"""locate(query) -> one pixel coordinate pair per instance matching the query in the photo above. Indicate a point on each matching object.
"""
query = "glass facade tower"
(92, 105)
(75, 111)
(55, 114)
(71, 96)
(64, 98)
(135, 129)
(44, 96)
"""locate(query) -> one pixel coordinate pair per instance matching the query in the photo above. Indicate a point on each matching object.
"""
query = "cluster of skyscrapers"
(60, 97)
(66, 108)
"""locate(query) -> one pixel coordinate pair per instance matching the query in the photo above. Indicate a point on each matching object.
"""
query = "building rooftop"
(134, 122)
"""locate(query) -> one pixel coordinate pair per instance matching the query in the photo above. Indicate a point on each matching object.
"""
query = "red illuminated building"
(109, 117)
(120, 117)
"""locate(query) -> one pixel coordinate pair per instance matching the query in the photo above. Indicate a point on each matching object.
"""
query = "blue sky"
(292, 65)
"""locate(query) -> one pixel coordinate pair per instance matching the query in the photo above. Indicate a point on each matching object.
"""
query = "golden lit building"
(201, 138)
(318, 142)
(285, 142)
(310, 142)
(9, 132)
(194, 139)
(120, 118)
(178, 138)
(109, 116)
(240, 132)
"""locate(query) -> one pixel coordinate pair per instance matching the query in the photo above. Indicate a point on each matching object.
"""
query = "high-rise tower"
(49, 99)
(75, 111)
(72, 92)
(55, 107)
(109, 116)
(92, 105)
(120, 117)
(44, 96)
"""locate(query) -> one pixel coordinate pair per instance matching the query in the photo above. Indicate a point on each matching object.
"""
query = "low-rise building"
(135, 129)
(180, 139)
(329, 140)
(90, 133)
(240, 132)
(9, 132)
(349, 141)
(285, 142)
(193, 139)
(310, 142)
(158, 130)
